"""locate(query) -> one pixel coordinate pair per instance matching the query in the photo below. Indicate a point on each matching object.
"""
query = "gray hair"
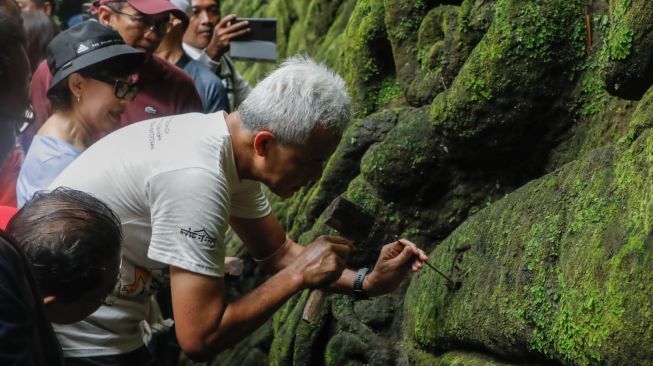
(295, 99)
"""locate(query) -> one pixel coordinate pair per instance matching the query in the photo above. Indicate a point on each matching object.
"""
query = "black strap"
(183, 61)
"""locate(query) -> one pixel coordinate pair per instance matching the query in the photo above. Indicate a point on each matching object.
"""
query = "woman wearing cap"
(94, 78)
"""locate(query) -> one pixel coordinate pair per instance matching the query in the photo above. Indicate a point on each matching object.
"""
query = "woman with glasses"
(94, 78)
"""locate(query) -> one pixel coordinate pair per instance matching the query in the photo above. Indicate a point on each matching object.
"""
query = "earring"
(78, 98)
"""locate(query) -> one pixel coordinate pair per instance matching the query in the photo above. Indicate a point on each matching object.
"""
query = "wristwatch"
(358, 282)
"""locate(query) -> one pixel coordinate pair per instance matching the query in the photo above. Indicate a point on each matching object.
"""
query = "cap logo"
(82, 48)
(95, 43)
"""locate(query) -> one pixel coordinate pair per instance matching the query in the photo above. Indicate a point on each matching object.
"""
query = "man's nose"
(204, 17)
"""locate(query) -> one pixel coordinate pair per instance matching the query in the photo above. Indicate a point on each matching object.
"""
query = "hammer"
(351, 222)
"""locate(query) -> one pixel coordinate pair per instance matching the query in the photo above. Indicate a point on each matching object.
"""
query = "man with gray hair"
(198, 173)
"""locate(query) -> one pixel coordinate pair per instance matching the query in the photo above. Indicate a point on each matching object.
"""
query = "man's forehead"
(204, 3)
(131, 10)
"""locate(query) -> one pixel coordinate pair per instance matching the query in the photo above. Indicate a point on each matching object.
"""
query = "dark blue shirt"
(208, 85)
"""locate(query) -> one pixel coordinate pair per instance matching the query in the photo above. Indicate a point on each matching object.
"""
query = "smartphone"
(261, 29)
(259, 44)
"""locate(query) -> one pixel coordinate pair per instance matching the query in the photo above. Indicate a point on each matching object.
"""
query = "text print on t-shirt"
(198, 235)
(158, 128)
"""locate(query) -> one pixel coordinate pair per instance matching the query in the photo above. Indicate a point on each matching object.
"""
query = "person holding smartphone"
(207, 40)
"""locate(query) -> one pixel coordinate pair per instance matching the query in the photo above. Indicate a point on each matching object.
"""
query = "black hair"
(66, 9)
(117, 67)
(41, 3)
(40, 29)
(12, 38)
(11, 8)
(68, 237)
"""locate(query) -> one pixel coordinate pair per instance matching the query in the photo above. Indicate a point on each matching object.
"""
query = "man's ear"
(104, 15)
(47, 8)
(49, 299)
(263, 141)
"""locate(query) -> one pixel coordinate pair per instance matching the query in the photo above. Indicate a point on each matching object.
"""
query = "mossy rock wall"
(487, 132)
(628, 55)
(559, 270)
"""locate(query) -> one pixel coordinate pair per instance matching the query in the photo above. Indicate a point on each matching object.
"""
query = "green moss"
(342, 347)
(593, 97)
(628, 49)
(406, 159)
(557, 268)
(619, 38)
(362, 194)
(285, 324)
(641, 120)
(428, 47)
(365, 42)
(535, 40)
(389, 92)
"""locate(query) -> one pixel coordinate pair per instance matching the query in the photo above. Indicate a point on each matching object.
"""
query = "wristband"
(358, 282)
(259, 260)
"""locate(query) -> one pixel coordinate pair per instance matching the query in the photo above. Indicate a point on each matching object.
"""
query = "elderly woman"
(93, 80)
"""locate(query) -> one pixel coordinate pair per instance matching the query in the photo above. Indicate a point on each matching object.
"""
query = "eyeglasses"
(121, 88)
(146, 25)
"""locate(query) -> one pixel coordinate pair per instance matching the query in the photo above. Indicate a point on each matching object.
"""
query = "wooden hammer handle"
(352, 222)
(313, 305)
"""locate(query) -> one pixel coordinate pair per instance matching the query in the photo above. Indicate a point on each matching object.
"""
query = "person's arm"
(206, 324)
(265, 239)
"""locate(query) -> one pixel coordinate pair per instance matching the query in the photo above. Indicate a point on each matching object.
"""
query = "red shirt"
(164, 90)
(6, 213)
(9, 170)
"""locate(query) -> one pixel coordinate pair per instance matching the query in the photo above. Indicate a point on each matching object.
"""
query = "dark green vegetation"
(483, 132)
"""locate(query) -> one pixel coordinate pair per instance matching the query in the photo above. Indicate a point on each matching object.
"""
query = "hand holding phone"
(224, 32)
(261, 29)
(259, 44)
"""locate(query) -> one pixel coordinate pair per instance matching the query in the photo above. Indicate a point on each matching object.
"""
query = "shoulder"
(157, 67)
(50, 150)
(200, 69)
(168, 87)
(42, 72)
(202, 74)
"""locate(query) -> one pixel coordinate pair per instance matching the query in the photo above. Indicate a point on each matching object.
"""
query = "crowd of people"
(124, 160)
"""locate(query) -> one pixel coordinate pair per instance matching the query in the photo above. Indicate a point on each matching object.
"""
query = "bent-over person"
(197, 174)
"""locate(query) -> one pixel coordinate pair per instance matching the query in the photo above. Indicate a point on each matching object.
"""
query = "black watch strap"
(358, 282)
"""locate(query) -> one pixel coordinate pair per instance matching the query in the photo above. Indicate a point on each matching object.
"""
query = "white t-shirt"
(173, 183)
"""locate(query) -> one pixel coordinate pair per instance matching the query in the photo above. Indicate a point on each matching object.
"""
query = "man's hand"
(223, 33)
(394, 263)
(322, 262)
